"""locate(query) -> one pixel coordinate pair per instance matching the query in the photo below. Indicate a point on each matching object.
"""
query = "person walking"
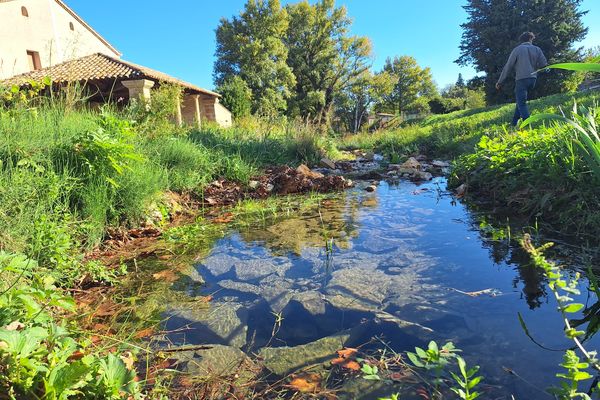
(526, 59)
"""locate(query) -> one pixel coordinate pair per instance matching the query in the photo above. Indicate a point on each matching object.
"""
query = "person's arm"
(541, 62)
(512, 59)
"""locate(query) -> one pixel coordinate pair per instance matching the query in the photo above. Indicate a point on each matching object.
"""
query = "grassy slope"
(450, 135)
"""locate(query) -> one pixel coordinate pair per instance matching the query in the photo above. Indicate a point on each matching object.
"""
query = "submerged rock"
(284, 360)
(223, 323)
(215, 360)
(365, 285)
(245, 268)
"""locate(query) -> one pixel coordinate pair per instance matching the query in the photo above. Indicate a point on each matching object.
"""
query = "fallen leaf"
(351, 365)
(337, 361)
(127, 358)
(77, 355)
(144, 333)
(398, 376)
(101, 328)
(14, 326)
(223, 219)
(186, 381)
(306, 383)
(167, 275)
(95, 339)
(106, 309)
(347, 352)
(205, 299)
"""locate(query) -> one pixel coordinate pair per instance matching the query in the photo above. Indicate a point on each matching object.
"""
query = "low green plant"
(40, 355)
(434, 359)
(563, 288)
(370, 372)
(466, 381)
(575, 373)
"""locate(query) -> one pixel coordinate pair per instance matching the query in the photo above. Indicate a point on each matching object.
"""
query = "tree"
(357, 100)
(494, 26)
(413, 86)
(323, 57)
(251, 47)
(236, 96)
(460, 82)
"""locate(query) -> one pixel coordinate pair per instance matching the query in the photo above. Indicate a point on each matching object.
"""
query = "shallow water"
(403, 254)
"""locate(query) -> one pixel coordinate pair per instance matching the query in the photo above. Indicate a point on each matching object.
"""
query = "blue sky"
(177, 37)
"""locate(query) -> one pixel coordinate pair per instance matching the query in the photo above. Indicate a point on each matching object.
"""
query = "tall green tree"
(460, 82)
(251, 46)
(492, 31)
(355, 103)
(323, 56)
(236, 96)
(413, 85)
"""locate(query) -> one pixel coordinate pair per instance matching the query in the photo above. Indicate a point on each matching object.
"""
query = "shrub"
(40, 357)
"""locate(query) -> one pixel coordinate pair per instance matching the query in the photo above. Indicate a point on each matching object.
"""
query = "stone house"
(45, 38)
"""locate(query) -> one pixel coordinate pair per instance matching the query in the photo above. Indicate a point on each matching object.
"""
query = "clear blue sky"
(177, 37)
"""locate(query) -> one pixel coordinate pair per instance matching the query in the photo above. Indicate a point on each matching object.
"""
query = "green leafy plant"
(434, 359)
(563, 288)
(575, 373)
(370, 372)
(467, 381)
(40, 356)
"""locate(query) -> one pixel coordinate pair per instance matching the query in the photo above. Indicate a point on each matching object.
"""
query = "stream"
(406, 264)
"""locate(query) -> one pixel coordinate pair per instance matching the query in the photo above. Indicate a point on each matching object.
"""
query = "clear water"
(407, 251)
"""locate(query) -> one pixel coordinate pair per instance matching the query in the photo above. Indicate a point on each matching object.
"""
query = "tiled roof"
(98, 67)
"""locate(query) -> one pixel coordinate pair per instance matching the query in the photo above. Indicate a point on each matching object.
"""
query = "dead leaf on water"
(347, 352)
(144, 333)
(306, 383)
(346, 363)
(167, 275)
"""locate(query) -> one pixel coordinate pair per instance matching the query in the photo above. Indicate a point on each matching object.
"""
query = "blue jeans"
(522, 86)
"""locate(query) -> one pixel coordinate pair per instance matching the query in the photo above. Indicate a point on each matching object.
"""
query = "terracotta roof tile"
(97, 67)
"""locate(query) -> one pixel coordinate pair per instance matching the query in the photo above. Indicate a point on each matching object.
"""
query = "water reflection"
(399, 263)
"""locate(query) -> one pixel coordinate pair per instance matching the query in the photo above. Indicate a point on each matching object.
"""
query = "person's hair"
(526, 37)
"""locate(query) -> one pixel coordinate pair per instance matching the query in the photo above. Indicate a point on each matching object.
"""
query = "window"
(71, 26)
(24, 12)
(34, 60)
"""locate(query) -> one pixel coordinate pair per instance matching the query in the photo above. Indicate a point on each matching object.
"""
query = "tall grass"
(106, 168)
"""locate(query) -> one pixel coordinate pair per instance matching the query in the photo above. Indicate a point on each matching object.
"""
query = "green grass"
(103, 168)
(453, 134)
